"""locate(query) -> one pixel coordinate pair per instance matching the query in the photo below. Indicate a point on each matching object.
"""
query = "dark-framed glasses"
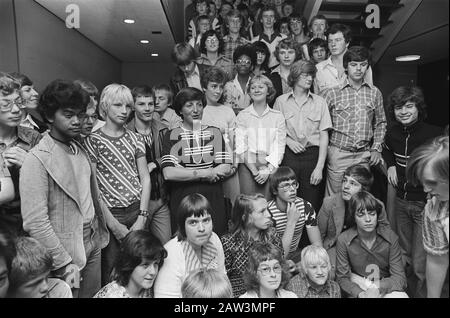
(286, 185)
(6, 106)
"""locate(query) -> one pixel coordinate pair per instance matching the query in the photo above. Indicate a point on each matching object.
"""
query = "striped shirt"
(116, 159)
(203, 150)
(358, 117)
(307, 217)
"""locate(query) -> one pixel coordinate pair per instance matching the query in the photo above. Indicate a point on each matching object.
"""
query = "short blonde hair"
(206, 283)
(271, 92)
(111, 94)
(313, 255)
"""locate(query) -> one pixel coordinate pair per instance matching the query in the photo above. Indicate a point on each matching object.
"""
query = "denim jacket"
(51, 204)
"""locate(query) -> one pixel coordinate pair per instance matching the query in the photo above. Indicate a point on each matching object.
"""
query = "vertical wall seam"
(16, 33)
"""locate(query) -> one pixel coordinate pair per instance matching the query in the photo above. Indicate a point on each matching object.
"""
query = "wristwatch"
(144, 213)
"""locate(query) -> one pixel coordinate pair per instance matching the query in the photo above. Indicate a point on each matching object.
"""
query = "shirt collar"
(381, 231)
(291, 95)
(252, 110)
(25, 134)
(346, 83)
(238, 86)
(324, 288)
(29, 119)
(265, 37)
(196, 72)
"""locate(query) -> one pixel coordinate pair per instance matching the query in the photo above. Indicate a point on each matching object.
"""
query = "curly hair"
(404, 94)
(261, 252)
(8, 84)
(246, 49)
(62, 94)
(185, 95)
(208, 34)
(288, 44)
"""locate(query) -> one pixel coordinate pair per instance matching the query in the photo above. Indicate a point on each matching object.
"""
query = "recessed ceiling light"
(145, 41)
(129, 21)
(155, 54)
(407, 58)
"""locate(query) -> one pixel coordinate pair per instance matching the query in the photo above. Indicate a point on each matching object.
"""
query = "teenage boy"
(233, 39)
(61, 203)
(203, 25)
(15, 142)
(331, 72)
(188, 72)
(318, 50)
(359, 121)
(269, 36)
(291, 213)
(408, 131)
(152, 130)
(163, 107)
(30, 273)
(119, 157)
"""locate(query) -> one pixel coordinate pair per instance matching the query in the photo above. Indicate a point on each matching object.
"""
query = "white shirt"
(193, 79)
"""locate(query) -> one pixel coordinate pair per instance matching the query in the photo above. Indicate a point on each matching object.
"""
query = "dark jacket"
(178, 80)
(398, 145)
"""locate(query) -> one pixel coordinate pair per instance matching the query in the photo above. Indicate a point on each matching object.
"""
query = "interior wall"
(47, 50)
(8, 48)
(146, 73)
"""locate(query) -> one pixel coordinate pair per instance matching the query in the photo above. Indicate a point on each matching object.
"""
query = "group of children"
(213, 186)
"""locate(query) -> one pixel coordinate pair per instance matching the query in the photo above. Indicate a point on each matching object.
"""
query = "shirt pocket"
(313, 123)
(342, 110)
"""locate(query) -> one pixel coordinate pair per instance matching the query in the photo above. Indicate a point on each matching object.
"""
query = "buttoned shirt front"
(358, 117)
(231, 44)
(261, 135)
(327, 76)
(234, 96)
(382, 262)
(193, 80)
(304, 122)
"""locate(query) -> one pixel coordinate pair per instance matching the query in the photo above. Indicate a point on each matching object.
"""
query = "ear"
(50, 119)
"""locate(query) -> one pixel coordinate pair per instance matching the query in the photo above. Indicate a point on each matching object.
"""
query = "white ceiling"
(101, 21)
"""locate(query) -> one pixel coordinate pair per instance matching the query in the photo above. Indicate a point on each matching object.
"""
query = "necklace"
(195, 137)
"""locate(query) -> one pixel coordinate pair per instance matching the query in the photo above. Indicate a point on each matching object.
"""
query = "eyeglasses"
(362, 213)
(6, 106)
(285, 186)
(91, 117)
(243, 62)
(212, 41)
(266, 270)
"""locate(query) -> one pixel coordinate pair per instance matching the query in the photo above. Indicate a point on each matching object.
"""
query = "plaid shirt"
(230, 45)
(435, 227)
(359, 121)
(300, 285)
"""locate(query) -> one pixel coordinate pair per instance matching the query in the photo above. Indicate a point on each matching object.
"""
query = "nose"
(33, 92)
(368, 218)
(15, 108)
(153, 270)
(201, 227)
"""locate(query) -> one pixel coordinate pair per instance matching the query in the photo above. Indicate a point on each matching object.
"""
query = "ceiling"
(101, 21)
(409, 26)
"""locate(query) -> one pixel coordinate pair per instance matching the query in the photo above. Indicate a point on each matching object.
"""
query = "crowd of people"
(248, 175)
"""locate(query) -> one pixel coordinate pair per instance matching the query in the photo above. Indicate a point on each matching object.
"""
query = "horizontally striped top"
(194, 150)
(117, 173)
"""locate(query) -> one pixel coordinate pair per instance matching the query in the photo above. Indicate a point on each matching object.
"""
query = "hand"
(296, 147)
(293, 214)
(222, 171)
(70, 274)
(316, 176)
(210, 175)
(14, 156)
(151, 166)
(262, 176)
(375, 158)
(372, 292)
(392, 176)
(139, 224)
(120, 231)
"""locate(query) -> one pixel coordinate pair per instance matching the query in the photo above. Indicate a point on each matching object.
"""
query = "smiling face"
(269, 274)
(350, 186)
(406, 114)
(198, 229)
(192, 110)
(144, 106)
(30, 96)
(143, 275)
(357, 70)
(213, 93)
(366, 221)
(212, 44)
(243, 65)
(258, 91)
(318, 273)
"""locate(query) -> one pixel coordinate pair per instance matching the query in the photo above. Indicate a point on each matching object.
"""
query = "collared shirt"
(231, 44)
(169, 118)
(271, 43)
(29, 122)
(300, 285)
(193, 80)
(234, 96)
(327, 76)
(222, 62)
(261, 135)
(304, 122)
(357, 116)
(236, 248)
(383, 261)
(436, 227)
